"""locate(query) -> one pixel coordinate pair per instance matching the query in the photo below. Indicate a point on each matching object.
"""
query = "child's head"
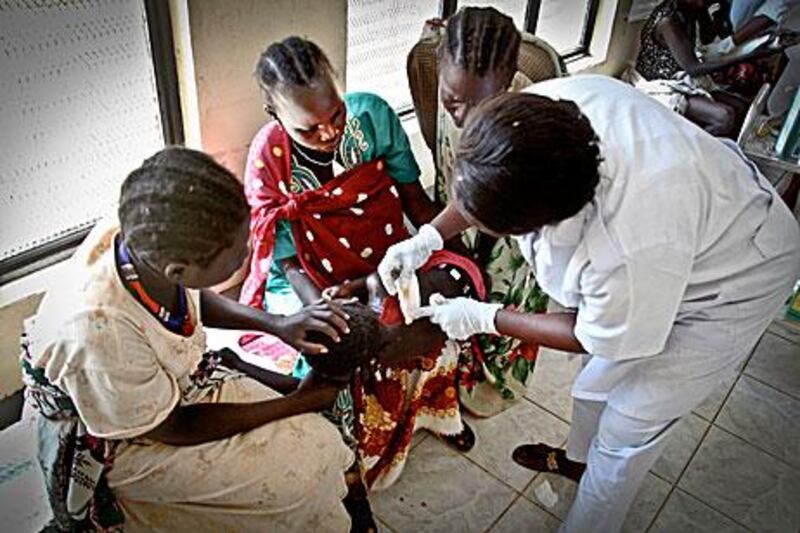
(477, 58)
(297, 80)
(185, 216)
(353, 350)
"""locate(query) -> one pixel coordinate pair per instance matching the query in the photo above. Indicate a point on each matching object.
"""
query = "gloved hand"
(403, 259)
(461, 318)
(719, 48)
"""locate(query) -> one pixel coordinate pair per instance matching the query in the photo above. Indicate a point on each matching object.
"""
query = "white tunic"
(674, 266)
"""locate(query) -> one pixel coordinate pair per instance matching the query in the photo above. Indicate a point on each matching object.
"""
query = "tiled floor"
(733, 465)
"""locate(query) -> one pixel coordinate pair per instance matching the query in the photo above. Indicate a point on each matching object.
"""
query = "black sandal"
(462, 442)
(544, 458)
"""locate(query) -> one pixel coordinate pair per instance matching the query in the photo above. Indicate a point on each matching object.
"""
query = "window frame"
(585, 41)
(159, 27)
(532, 9)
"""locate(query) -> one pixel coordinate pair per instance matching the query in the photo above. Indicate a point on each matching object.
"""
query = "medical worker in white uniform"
(671, 250)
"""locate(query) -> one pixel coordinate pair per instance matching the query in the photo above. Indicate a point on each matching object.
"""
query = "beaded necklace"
(180, 322)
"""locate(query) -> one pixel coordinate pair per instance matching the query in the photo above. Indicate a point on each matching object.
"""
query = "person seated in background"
(667, 68)
(479, 54)
(752, 18)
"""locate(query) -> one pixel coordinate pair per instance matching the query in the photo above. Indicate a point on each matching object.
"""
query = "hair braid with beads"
(481, 40)
(292, 62)
(181, 205)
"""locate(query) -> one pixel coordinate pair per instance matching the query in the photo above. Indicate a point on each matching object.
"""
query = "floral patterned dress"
(494, 382)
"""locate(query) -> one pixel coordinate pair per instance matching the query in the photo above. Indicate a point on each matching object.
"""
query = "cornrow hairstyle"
(481, 40)
(181, 205)
(292, 62)
(525, 161)
(354, 349)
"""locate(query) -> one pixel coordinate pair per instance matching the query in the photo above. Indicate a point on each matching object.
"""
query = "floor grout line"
(732, 519)
(542, 407)
(674, 484)
(542, 507)
(784, 336)
(505, 511)
(384, 523)
(759, 448)
(771, 386)
(480, 466)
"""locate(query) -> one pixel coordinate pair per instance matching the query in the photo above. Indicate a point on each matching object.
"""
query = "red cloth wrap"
(341, 230)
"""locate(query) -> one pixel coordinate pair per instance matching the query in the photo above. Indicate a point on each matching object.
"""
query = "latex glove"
(461, 318)
(719, 48)
(403, 259)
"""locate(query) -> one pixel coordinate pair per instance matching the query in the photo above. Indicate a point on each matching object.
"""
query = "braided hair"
(525, 161)
(354, 349)
(181, 205)
(481, 40)
(292, 62)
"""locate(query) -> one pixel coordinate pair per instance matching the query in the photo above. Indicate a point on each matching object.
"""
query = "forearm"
(303, 286)
(753, 28)
(221, 312)
(553, 330)
(277, 382)
(421, 211)
(206, 422)
(450, 223)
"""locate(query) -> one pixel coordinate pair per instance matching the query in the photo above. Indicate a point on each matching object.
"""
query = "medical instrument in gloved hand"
(460, 318)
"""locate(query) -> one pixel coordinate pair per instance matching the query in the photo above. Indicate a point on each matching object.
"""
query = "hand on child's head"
(353, 349)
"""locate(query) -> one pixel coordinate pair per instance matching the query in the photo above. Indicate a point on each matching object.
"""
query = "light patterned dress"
(124, 373)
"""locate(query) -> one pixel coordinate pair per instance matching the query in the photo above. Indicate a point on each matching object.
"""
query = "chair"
(537, 61)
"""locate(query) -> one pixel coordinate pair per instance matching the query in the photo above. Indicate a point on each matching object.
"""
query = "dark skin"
(460, 92)
(314, 117)
(552, 330)
(196, 424)
(398, 342)
(719, 116)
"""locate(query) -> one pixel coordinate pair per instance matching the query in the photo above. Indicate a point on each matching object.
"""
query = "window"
(566, 24)
(516, 9)
(80, 108)
(380, 34)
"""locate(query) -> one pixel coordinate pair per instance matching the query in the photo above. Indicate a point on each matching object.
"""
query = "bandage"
(409, 299)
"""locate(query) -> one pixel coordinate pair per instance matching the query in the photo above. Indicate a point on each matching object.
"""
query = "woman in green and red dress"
(329, 181)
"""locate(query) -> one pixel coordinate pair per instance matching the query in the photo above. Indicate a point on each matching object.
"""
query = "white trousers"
(619, 451)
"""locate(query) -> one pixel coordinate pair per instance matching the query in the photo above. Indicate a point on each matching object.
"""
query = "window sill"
(578, 64)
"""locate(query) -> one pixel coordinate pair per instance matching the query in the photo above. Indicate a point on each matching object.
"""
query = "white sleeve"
(773, 9)
(117, 384)
(628, 312)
